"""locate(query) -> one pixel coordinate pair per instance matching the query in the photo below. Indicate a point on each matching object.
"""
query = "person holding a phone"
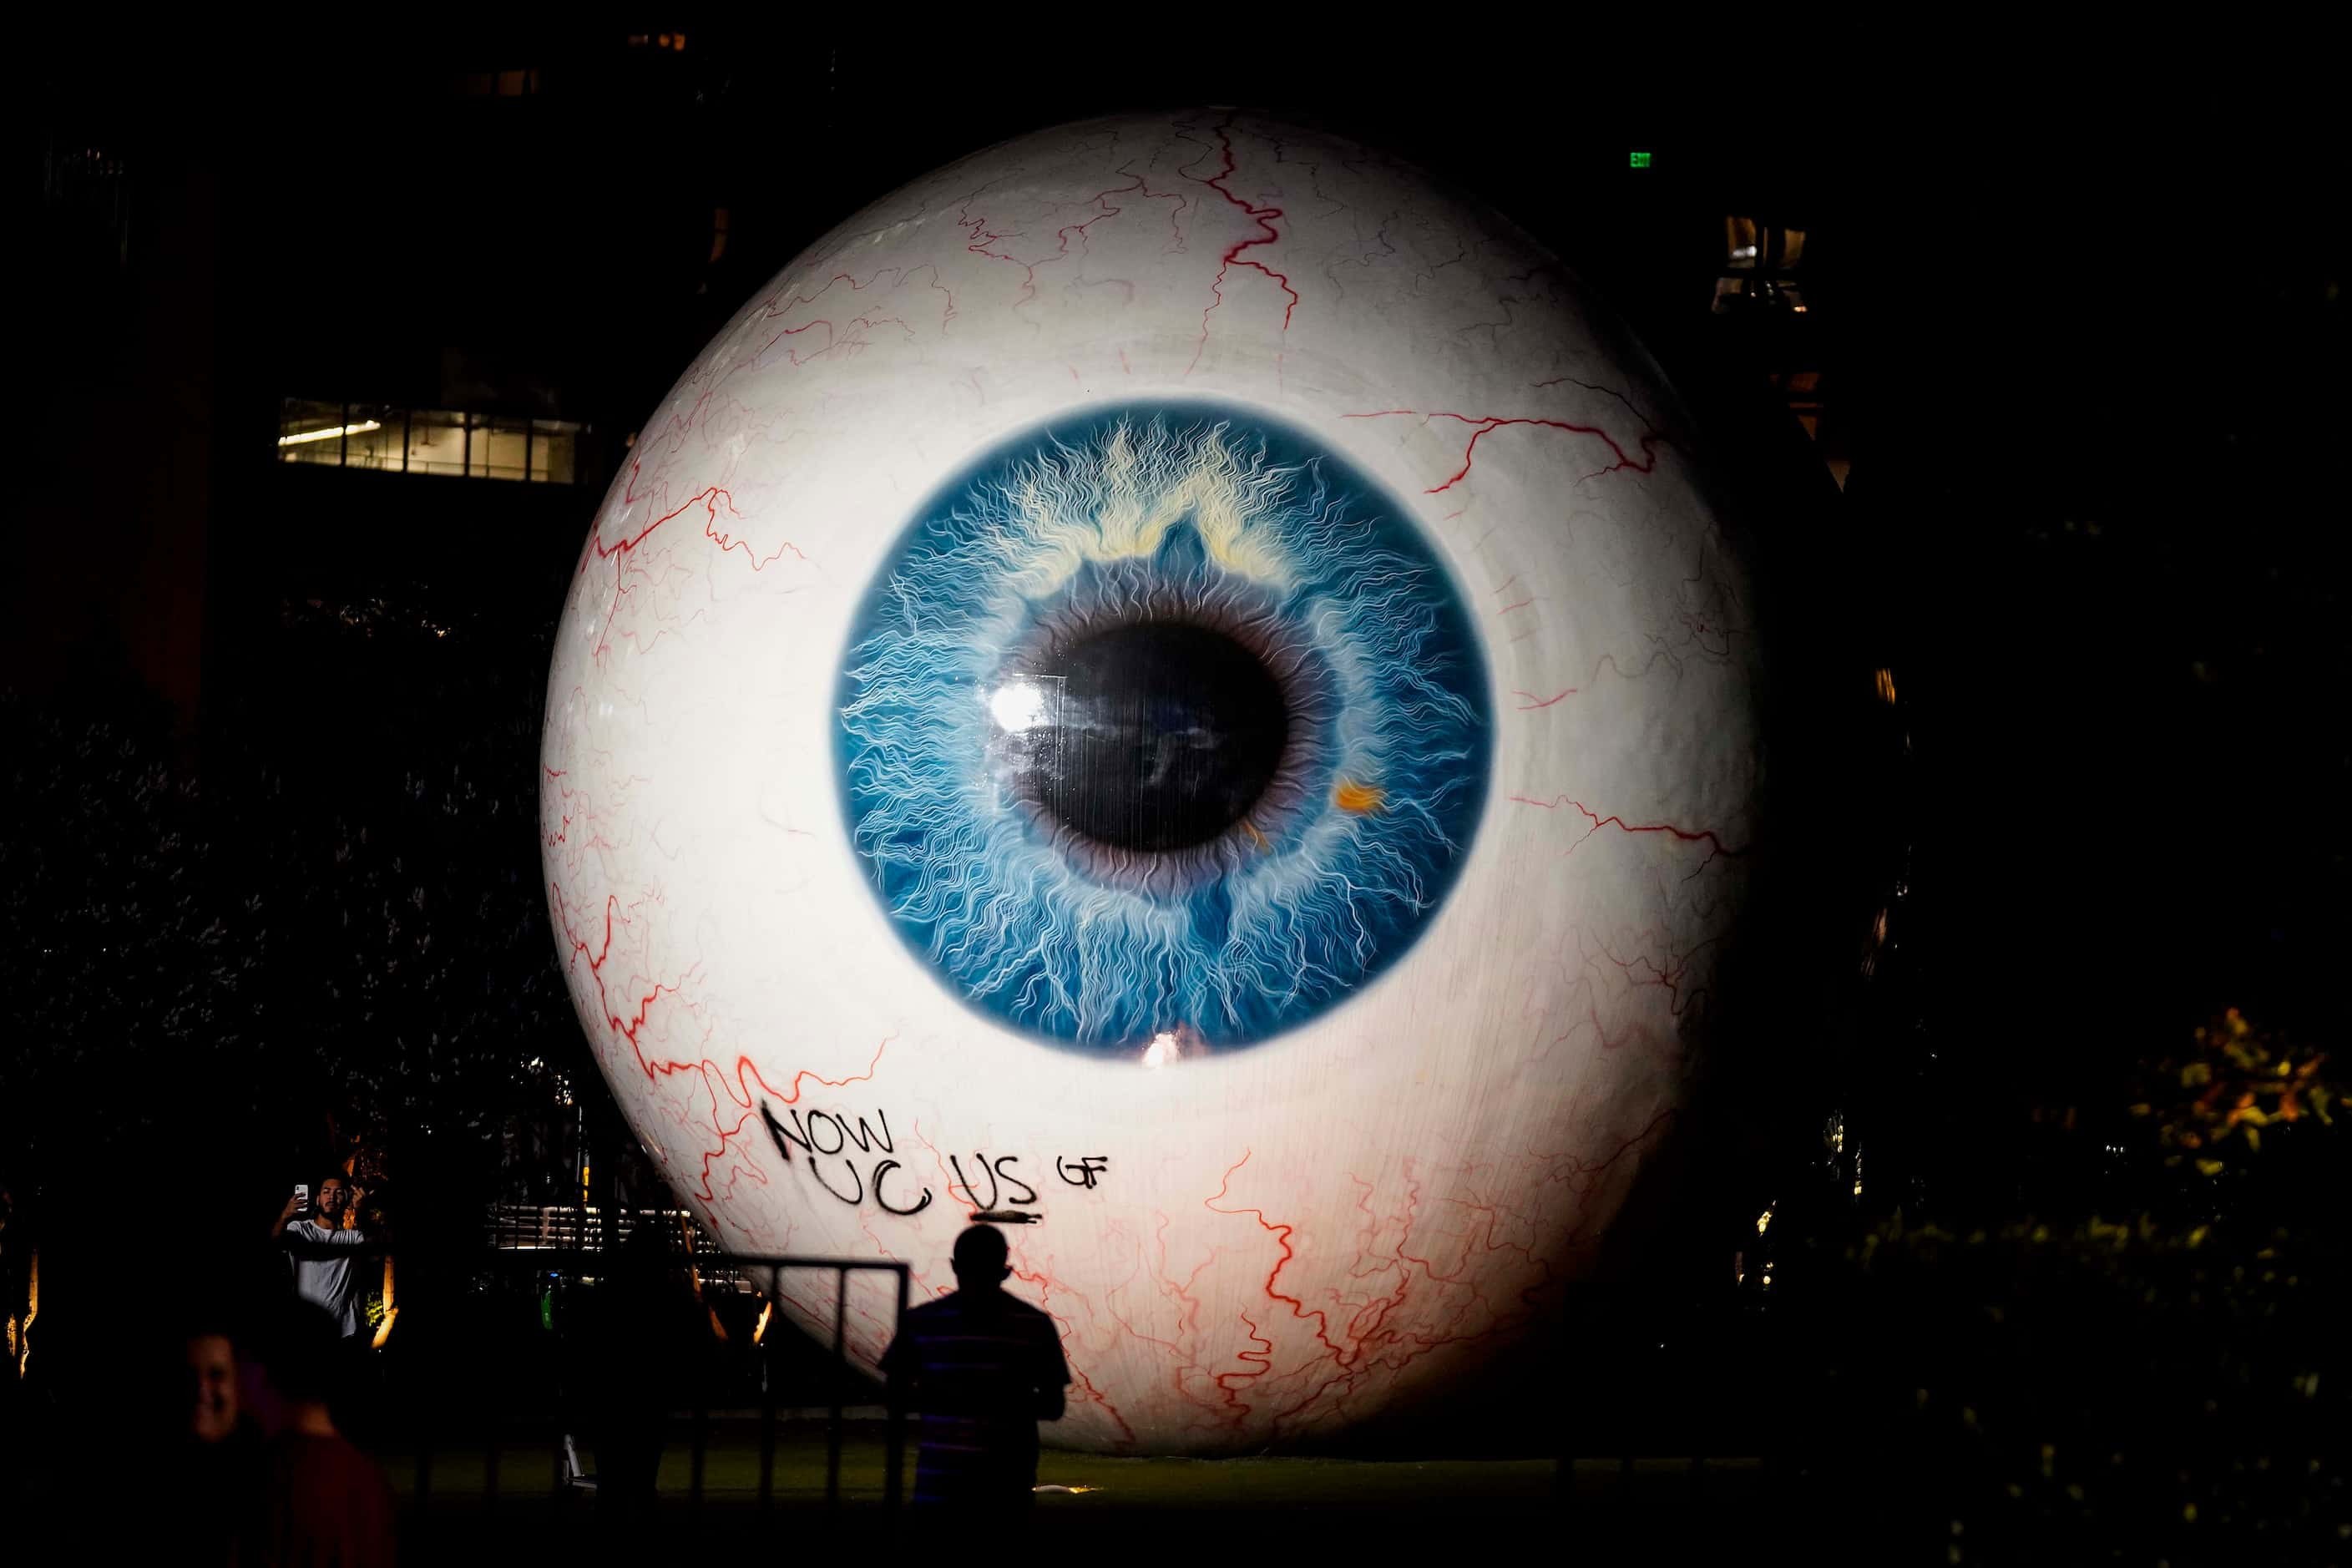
(327, 1245)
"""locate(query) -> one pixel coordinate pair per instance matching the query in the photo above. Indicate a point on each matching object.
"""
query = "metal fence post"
(894, 1463)
(839, 1376)
(553, 1384)
(767, 1402)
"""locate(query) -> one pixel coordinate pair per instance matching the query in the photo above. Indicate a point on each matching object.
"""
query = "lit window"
(436, 442)
(445, 441)
(1739, 242)
(311, 432)
(1759, 261)
(495, 447)
(1750, 246)
(377, 437)
(1757, 295)
(555, 451)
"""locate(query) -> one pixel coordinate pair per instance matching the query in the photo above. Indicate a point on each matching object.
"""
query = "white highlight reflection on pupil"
(1018, 704)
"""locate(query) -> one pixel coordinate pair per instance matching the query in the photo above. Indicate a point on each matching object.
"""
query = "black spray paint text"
(825, 1137)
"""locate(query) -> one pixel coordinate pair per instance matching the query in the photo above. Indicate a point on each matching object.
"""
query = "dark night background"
(2073, 342)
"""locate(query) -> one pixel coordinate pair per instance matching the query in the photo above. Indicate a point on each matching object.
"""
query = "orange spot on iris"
(1359, 799)
(1251, 828)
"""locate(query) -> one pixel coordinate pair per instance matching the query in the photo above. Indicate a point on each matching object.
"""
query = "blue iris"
(1324, 645)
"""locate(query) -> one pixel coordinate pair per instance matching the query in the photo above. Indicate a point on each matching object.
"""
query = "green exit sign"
(1638, 160)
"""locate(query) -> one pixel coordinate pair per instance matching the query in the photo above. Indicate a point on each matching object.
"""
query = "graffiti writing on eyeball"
(826, 1138)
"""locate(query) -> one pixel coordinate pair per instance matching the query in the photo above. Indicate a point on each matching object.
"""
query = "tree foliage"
(2214, 1102)
(326, 939)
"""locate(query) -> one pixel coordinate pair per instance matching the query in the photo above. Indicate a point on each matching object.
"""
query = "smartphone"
(302, 1197)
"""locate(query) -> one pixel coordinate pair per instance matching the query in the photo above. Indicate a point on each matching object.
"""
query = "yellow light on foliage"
(384, 1329)
(32, 1311)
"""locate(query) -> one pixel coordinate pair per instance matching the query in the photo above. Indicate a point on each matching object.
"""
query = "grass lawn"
(457, 1477)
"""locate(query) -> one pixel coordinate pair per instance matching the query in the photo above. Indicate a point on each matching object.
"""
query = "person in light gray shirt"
(326, 1252)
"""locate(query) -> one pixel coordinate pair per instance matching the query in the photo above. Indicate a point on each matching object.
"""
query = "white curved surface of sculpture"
(1243, 1240)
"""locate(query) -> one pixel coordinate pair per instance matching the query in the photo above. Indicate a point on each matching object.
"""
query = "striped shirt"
(977, 1368)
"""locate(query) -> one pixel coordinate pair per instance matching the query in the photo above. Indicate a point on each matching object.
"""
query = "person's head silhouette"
(979, 1264)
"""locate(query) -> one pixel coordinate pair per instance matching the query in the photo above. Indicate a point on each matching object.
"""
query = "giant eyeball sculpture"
(1173, 684)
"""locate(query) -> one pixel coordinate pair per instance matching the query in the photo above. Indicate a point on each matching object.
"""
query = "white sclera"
(1287, 1238)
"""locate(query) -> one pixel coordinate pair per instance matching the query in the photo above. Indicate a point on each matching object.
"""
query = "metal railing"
(590, 1228)
(541, 1248)
(527, 1228)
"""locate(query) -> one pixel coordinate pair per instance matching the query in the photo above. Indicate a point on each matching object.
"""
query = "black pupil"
(1161, 736)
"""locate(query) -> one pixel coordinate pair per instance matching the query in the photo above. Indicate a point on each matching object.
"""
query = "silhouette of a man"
(982, 1368)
